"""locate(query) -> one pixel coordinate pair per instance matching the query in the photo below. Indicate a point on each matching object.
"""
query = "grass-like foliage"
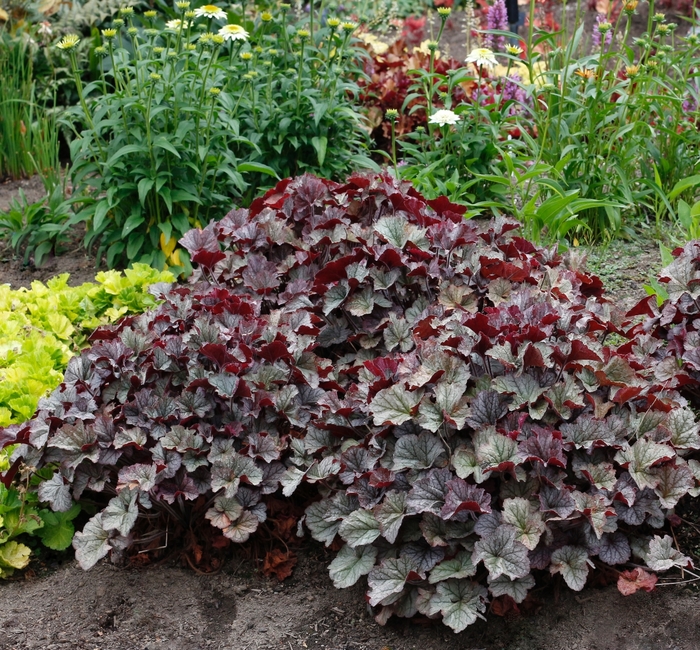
(446, 385)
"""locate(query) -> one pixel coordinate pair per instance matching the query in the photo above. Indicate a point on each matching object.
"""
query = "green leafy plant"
(36, 229)
(28, 132)
(182, 122)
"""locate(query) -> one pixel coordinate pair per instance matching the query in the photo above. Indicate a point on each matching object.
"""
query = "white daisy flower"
(176, 23)
(482, 56)
(233, 33)
(444, 116)
(210, 11)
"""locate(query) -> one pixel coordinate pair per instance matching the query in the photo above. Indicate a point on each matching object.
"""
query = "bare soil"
(167, 606)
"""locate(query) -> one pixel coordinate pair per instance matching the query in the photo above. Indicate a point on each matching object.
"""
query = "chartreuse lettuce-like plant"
(42, 327)
(446, 385)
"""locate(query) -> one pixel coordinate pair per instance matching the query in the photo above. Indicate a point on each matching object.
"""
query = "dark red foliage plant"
(447, 387)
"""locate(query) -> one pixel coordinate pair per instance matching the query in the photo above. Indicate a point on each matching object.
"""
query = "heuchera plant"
(446, 385)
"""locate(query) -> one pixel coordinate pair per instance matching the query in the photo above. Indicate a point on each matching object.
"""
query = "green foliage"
(36, 228)
(42, 327)
(28, 133)
(182, 122)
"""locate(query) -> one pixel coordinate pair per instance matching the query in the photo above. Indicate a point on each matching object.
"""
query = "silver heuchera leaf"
(92, 544)
(673, 483)
(241, 530)
(398, 333)
(502, 554)
(137, 477)
(224, 512)
(528, 523)
(390, 514)
(524, 388)
(394, 405)
(450, 407)
(495, 451)
(572, 562)
(359, 528)
(56, 492)
(121, 512)
(460, 566)
(321, 524)
(517, 589)
(639, 459)
(459, 601)
(417, 452)
(290, 480)
(351, 564)
(422, 556)
(428, 493)
(387, 579)
(684, 430)
(661, 555)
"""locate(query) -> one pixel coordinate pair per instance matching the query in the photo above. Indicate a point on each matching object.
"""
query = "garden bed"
(58, 605)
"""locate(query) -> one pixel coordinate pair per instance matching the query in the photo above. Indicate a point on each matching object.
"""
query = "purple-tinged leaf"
(460, 602)
(137, 477)
(418, 452)
(390, 514)
(487, 409)
(224, 512)
(422, 556)
(673, 483)
(614, 548)
(501, 553)
(241, 530)
(462, 496)
(556, 502)
(586, 432)
(121, 512)
(496, 452)
(438, 532)
(527, 521)
(572, 562)
(388, 579)
(57, 492)
(544, 446)
(428, 493)
(517, 589)
(640, 458)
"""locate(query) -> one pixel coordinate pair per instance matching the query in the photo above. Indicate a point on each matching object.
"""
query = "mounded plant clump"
(447, 387)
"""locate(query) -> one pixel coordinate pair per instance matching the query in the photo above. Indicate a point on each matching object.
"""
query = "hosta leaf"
(640, 458)
(351, 564)
(460, 566)
(502, 554)
(517, 589)
(459, 601)
(528, 524)
(92, 544)
(661, 555)
(572, 562)
(417, 452)
(394, 405)
(56, 492)
(121, 512)
(359, 528)
(388, 579)
(390, 514)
